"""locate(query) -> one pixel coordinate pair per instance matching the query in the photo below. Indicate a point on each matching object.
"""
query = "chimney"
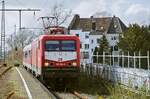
(93, 23)
(76, 16)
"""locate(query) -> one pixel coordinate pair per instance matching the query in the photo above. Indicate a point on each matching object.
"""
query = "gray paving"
(35, 88)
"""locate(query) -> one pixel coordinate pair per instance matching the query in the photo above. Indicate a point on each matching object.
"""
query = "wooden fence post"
(122, 59)
(148, 59)
(134, 60)
(113, 59)
(139, 60)
(128, 60)
(97, 56)
(103, 58)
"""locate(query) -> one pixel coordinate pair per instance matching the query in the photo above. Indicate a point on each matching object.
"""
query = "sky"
(129, 11)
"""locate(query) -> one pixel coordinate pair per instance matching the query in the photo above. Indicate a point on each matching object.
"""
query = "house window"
(84, 55)
(92, 41)
(115, 38)
(92, 50)
(86, 36)
(115, 26)
(115, 48)
(77, 35)
(98, 40)
(112, 38)
(86, 46)
(80, 45)
(101, 27)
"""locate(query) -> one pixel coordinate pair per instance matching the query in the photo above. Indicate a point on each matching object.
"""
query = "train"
(53, 58)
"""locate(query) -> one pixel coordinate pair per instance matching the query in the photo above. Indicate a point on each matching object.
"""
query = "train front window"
(68, 45)
(52, 46)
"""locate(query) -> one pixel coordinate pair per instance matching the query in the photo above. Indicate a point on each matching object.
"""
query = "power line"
(2, 51)
(20, 12)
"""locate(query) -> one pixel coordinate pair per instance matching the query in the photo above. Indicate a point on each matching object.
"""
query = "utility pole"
(15, 30)
(2, 51)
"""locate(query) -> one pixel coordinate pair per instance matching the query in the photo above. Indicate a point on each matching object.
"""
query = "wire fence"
(131, 71)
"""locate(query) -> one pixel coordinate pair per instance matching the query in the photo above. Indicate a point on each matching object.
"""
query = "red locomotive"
(53, 57)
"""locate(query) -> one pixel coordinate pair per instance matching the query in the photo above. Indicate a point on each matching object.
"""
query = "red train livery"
(53, 56)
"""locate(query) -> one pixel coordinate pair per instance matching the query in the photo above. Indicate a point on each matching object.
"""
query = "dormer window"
(101, 27)
(115, 26)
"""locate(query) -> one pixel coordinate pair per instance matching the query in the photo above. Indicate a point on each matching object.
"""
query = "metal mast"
(2, 51)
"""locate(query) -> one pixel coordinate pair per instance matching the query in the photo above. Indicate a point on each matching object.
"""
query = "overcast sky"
(129, 11)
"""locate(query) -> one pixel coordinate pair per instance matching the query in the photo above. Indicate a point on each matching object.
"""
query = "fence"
(130, 71)
(123, 60)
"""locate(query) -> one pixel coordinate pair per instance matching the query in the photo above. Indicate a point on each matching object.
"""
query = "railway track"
(71, 95)
(57, 95)
(1, 66)
(79, 95)
(5, 71)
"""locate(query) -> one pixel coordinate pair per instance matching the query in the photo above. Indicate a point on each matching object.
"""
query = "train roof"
(43, 36)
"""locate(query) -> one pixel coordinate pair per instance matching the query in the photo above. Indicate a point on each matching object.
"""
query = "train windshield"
(52, 46)
(62, 45)
(68, 45)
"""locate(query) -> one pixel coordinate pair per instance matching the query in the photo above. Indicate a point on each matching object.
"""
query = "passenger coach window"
(52, 46)
(68, 45)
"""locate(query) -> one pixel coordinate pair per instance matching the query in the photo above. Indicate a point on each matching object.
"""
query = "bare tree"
(21, 39)
(10, 41)
(60, 13)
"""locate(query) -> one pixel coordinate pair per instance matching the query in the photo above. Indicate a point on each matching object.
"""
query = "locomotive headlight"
(74, 64)
(46, 64)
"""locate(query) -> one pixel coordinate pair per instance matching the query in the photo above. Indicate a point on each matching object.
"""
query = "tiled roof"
(102, 25)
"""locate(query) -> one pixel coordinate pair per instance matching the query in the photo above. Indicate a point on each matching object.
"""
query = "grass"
(118, 92)
(93, 85)
(97, 86)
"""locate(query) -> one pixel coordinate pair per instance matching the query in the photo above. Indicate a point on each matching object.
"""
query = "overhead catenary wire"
(3, 10)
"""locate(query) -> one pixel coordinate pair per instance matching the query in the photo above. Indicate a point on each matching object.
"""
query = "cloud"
(102, 14)
(87, 8)
(138, 13)
(129, 11)
(137, 9)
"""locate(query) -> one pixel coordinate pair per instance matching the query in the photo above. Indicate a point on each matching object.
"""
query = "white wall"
(93, 43)
(83, 41)
(112, 39)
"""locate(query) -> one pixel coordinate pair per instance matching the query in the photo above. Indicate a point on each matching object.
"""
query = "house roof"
(102, 25)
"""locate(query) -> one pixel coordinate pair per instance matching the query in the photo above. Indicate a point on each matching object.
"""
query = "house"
(90, 30)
